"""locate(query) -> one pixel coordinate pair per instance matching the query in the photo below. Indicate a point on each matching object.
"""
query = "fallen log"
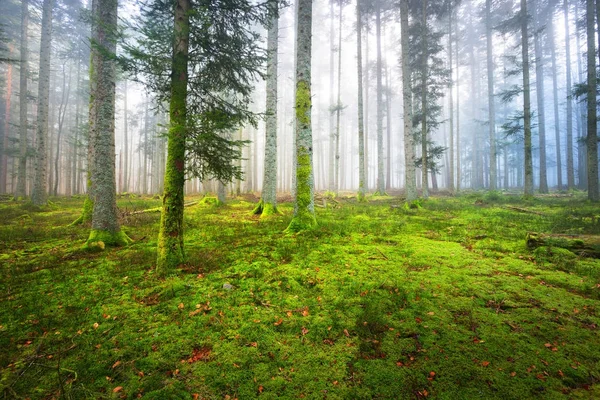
(524, 210)
(582, 245)
(159, 209)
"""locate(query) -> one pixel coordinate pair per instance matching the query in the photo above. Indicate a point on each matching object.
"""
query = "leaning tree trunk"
(268, 201)
(570, 166)
(361, 128)
(23, 75)
(380, 175)
(541, 113)
(528, 188)
(491, 105)
(170, 237)
(105, 215)
(592, 118)
(304, 207)
(409, 146)
(39, 196)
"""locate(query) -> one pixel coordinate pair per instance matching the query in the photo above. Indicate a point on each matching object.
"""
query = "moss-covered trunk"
(105, 215)
(170, 237)
(304, 208)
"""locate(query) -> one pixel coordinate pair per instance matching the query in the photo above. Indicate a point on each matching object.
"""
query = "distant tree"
(362, 178)
(569, 115)
(524, 17)
(39, 196)
(304, 212)
(491, 99)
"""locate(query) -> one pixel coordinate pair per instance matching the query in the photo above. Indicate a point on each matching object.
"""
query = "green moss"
(211, 201)
(304, 214)
(265, 209)
(303, 102)
(98, 239)
(86, 214)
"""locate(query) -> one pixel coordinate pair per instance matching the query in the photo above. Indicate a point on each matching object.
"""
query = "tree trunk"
(23, 102)
(555, 98)
(5, 127)
(105, 216)
(409, 145)
(491, 105)
(337, 181)
(528, 189)
(541, 113)
(304, 211)
(331, 99)
(581, 134)
(170, 237)
(62, 110)
(458, 161)
(570, 161)
(39, 196)
(424, 72)
(592, 118)
(361, 128)
(268, 202)
(126, 166)
(380, 176)
(451, 104)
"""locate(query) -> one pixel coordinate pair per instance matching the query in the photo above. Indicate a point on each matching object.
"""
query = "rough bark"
(541, 112)
(105, 215)
(361, 129)
(304, 207)
(39, 196)
(424, 72)
(592, 117)
(23, 75)
(170, 237)
(528, 187)
(491, 105)
(409, 146)
(570, 166)
(268, 202)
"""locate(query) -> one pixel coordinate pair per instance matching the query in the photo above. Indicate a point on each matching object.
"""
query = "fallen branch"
(524, 210)
(582, 245)
(159, 209)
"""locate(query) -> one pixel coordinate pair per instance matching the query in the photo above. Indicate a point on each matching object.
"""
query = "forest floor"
(444, 301)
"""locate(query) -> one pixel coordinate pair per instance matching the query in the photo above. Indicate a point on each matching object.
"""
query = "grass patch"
(442, 300)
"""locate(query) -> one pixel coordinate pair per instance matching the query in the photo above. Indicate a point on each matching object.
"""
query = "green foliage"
(366, 305)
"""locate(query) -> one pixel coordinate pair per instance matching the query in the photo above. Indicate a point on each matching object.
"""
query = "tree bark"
(23, 102)
(570, 161)
(451, 103)
(528, 188)
(541, 113)
(304, 207)
(592, 118)
(380, 175)
(268, 202)
(170, 237)
(558, 151)
(105, 215)
(409, 145)
(39, 196)
(361, 129)
(424, 72)
(491, 100)
(337, 181)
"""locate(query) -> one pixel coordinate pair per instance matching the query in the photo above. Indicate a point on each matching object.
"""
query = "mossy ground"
(378, 301)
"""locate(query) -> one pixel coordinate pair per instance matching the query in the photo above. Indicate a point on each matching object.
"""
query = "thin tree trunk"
(268, 202)
(388, 128)
(555, 98)
(39, 194)
(541, 113)
(491, 105)
(451, 104)
(458, 161)
(592, 118)
(582, 131)
(424, 72)
(361, 129)
(331, 99)
(380, 175)
(23, 102)
(409, 146)
(125, 185)
(338, 106)
(570, 161)
(62, 110)
(528, 189)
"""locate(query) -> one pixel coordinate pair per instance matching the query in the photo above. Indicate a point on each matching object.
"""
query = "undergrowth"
(442, 300)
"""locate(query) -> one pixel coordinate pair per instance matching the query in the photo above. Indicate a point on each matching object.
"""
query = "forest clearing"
(381, 300)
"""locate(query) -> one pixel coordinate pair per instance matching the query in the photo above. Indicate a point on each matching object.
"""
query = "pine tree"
(592, 118)
(23, 76)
